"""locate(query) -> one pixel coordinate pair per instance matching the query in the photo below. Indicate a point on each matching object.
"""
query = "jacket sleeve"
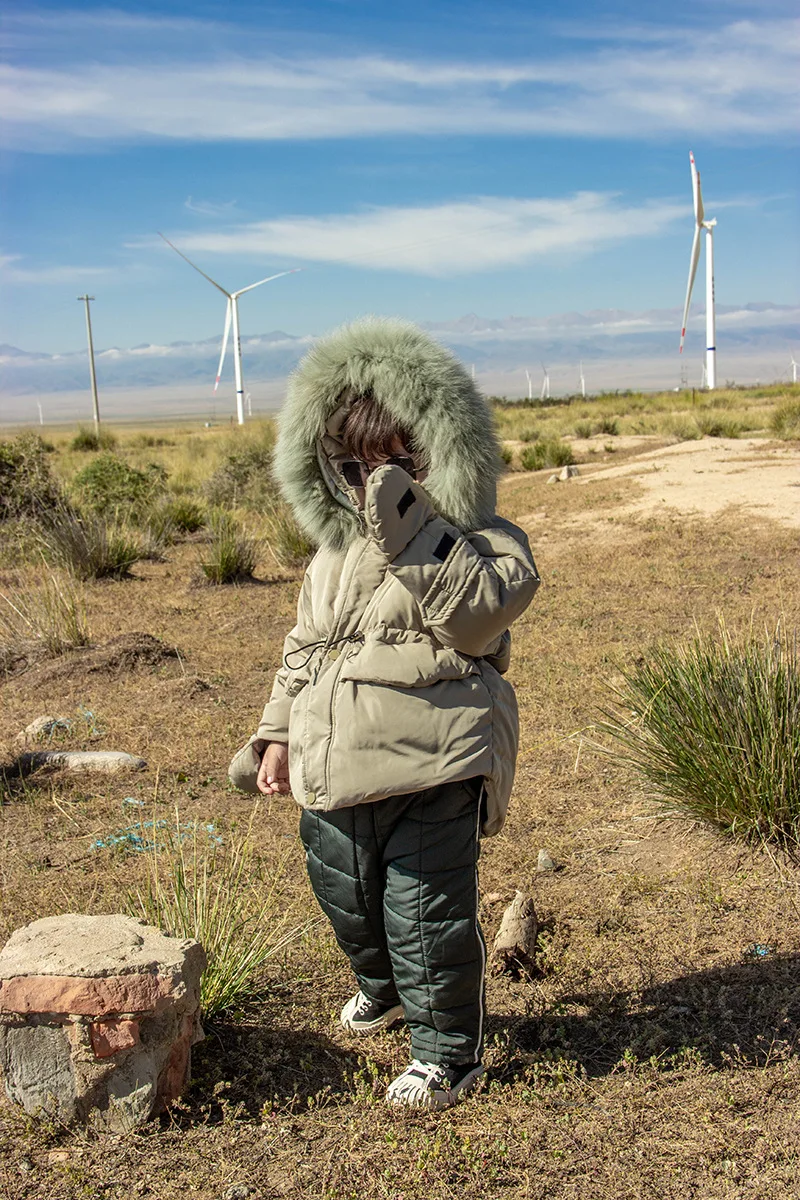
(274, 724)
(469, 587)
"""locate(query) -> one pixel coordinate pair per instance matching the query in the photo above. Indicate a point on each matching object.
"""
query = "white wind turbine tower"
(530, 383)
(700, 224)
(232, 319)
(583, 382)
(545, 385)
(794, 369)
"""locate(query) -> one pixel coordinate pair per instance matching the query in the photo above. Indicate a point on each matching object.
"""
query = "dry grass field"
(653, 1054)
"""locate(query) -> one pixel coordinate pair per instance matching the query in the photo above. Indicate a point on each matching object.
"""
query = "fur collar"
(424, 386)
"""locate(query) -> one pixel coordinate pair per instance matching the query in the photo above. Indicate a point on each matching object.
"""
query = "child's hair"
(369, 430)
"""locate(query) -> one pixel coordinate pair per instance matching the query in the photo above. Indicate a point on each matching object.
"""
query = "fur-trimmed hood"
(424, 387)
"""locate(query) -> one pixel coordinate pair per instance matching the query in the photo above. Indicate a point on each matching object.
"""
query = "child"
(389, 720)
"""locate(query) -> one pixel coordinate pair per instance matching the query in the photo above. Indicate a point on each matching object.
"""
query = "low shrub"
(109, 485)
(549, 452)
(785, 421)
(507, 455)
(27, 485)
(713, 728)
(89, 439)
(232, 553)
(286, 541)
(244, 477)
(583, 429)
(222, 896)
(88, 546)
(43, 619)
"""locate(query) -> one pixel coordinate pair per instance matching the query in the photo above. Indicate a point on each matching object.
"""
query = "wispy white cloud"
(207, 208)
(444, 239)
(11, 273)
(739, 80)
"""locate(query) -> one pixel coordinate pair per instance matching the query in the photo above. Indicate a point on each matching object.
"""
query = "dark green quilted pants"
(398, 880)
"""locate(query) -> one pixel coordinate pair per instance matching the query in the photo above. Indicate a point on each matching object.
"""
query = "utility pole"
(95, 405)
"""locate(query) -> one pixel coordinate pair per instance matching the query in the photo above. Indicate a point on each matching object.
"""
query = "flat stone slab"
(108, 762)
(98, 1015)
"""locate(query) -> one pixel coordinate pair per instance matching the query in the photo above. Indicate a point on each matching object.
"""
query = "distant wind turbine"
(583, 382)
(794, 369)
(702, 224)
(545, 385)
(530, 383)
(231, 319)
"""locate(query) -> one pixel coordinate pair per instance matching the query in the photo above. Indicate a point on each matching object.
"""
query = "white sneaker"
(361, 1015)
(433, 1085)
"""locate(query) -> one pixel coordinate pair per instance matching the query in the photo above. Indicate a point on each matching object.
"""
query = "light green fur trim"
(424, 387)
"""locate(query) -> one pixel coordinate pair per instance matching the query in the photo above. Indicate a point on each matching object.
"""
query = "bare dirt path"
(704, 477)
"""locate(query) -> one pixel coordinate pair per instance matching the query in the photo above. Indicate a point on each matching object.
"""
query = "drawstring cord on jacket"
(312, 646)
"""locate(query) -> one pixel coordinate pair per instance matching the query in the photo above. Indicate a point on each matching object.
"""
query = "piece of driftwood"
(515, 945)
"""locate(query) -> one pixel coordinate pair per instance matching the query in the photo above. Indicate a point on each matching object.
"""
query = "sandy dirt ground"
(704, 477)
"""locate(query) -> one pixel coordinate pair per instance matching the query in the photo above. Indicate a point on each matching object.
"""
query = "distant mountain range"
(605, 340)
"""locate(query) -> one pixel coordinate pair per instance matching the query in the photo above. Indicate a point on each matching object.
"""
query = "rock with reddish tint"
(97, 1018)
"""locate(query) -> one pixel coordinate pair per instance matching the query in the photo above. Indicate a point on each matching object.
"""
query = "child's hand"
(273, 774)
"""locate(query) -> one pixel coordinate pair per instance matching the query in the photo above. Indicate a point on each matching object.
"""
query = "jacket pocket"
(404, 658)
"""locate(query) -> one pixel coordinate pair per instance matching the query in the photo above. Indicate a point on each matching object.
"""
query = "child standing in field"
(389, 721)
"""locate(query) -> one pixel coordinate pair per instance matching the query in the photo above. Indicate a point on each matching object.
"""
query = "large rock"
(97, 1018)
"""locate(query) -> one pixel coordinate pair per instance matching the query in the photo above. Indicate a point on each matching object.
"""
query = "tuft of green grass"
(548, 452)
(286, 541)
(785, 421)
(232, 553)
(583, 429)
(608, 425)
(87, 546)
(714, 729)
(715, 425)
(88, 439)
(44, 619)
(221, 896)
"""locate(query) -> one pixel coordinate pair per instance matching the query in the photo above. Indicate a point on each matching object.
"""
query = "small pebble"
(544, 862)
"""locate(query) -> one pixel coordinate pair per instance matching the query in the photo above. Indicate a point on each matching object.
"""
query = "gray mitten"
(395, 509)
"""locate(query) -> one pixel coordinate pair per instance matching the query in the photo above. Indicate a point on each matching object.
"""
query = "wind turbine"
(794, 369)
(545, 385)
(700, 224)
(530, 383)
(583, 382)
(231, 319)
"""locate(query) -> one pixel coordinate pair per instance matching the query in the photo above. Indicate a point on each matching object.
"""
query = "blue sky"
(425, 159)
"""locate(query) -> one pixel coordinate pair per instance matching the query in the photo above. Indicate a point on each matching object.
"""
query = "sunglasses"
(355, 472)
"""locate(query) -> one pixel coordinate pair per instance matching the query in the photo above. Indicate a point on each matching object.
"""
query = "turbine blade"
(693, 261)
(228, 315)
(697, 195)
(218, 286)
(269, 279)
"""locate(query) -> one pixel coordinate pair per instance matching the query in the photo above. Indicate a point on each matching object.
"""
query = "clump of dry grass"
(785, 422)
(713, 727)
(88, 546)
(221, 895)
(41, 620)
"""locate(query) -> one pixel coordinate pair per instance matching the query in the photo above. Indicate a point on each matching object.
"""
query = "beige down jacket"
(392, 678)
